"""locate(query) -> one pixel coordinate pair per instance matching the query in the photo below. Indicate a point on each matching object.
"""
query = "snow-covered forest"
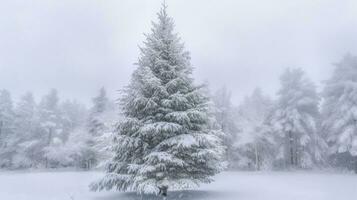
(54, 133)
(165, 133)
(300, 129)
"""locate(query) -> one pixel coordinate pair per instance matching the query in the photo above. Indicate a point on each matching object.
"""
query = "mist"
(80, 46)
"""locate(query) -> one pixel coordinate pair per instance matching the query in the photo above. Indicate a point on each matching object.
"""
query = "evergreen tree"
(73, 113)
(26, 127)
(164, 141)
(225, 119)
(51, 127)
(295, 121)
(76, 151)
(100, 123)
(7, 137)
(255, 142)
(96, 119)
(72, 151)
(340, 112)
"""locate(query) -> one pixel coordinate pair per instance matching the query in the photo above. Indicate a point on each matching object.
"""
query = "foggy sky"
(77, 46)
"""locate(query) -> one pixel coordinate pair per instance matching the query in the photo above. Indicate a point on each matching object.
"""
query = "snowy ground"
(228, 186)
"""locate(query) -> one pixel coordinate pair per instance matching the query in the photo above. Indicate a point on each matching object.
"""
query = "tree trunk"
(163, 191)
(291, 149)
(49, 139)
(296, 152)
(1, 124)
(257, 167)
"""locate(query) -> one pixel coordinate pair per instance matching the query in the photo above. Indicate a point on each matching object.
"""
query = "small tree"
(164, 141)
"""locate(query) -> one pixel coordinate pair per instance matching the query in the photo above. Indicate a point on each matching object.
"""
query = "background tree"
(295, 120)
(255, 142)
(73, 114)
(100, 125)
(26, 127)
(100, 106)
(7, 137)
(339, 112)
(70, 150)
(51, 127)
(226, 120)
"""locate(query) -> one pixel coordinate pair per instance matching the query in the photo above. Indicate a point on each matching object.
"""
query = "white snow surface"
(228, 186)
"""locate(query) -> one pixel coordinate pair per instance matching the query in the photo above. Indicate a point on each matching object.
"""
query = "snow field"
(228, 186)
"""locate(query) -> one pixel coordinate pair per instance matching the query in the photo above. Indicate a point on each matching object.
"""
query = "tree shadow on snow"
(173, 195)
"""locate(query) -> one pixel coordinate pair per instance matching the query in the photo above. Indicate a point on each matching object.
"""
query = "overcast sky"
(77, 46)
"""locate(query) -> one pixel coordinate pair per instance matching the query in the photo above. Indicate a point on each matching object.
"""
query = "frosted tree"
(255, 142)
(100, 106)
(225, 119)
(52, 129)
(73, 113)
(7, 137)
(295, 121)
(72, 151)
(340, 111)
(100, 125)
(76, 150)
(164, 141)
(26, 128)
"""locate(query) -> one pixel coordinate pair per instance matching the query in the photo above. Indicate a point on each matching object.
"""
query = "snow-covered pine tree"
(73, 151)
(7, 139)
(225, 119)
(339, 111)
(295, 121)
(74, 114)
(26, 127)
(164, 141)
(76, 150)
(100, 126)
(51, 127)
(255, 144)
(96, 123)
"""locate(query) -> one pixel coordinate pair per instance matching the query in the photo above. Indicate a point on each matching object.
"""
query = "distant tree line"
(301, 129)
(54, 133)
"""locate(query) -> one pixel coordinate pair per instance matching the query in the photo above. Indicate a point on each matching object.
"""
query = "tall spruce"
(164, 141)
(339, 111)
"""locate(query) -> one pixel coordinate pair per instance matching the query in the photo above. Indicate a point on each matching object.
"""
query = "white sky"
(77, 46)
